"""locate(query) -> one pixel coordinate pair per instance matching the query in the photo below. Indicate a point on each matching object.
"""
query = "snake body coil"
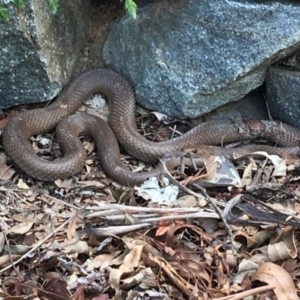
(123, 130)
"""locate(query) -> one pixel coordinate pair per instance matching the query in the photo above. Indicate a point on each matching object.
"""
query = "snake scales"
(123, 129)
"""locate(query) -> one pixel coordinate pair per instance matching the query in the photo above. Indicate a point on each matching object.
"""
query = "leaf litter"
(228, 230)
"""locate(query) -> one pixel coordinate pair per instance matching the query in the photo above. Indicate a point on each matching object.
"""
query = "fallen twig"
(248, 293)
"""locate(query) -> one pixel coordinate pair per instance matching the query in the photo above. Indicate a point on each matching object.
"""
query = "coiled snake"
(123, 129)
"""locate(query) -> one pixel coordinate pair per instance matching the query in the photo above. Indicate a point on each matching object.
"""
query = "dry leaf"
(247, 267)
(186, 201)
(7, 259)
(55, 289)
(130, 263)
(150, 190)
(6, 172)
(17, 249)
(247, 174)
(71, 232)
(91, 183)
(101, 261)
(65, 184)
(284, 247)
(220, 172)
(22, 185)
(21, 228)
(75, 247)
(278, 162)
(275, 275)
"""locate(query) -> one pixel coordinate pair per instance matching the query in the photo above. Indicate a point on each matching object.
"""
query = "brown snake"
(124, 130)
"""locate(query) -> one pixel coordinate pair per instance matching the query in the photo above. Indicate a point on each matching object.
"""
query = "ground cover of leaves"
(87, 237)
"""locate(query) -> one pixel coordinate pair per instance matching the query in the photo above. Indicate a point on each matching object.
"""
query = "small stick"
(248, 293)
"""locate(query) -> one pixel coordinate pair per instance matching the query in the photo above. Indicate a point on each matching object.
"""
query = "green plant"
(130, 8)
(21, 4)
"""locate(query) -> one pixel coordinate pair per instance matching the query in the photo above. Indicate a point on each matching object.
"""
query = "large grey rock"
(282, 91)
(251, 107)
(186, 58)
(38, 49)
